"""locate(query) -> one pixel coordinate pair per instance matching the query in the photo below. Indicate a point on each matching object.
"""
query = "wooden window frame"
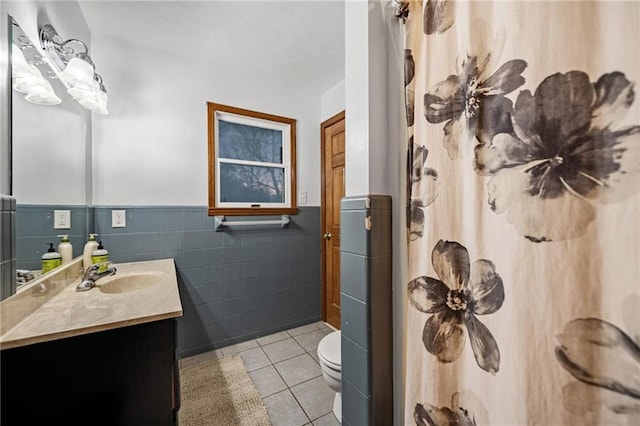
(213, 109)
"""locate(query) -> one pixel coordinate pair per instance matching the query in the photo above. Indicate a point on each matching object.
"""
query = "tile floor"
(285, 371)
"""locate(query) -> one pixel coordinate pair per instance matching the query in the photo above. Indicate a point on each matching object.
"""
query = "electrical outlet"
(302, 199)
(118, 218)
(61, 219)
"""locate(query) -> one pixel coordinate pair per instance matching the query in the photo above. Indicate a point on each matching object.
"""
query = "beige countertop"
(51, 309)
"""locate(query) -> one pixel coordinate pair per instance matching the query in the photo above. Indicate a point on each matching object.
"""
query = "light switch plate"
(118, 218)
(62, 219)
(302, 197)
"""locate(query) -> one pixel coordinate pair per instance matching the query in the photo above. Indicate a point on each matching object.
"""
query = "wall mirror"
(53, 138)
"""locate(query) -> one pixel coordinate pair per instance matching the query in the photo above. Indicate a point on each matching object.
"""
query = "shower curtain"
(523, 212)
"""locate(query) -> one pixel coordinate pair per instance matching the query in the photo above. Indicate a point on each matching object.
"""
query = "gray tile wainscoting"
(238, 284)
(34, 231)
(365, 281)
(7, 246)
(235, 285)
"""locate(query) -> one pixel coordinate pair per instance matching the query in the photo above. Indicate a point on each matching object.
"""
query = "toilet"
(331, 366)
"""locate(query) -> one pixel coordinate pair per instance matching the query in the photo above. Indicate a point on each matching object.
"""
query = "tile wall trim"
(366, 320)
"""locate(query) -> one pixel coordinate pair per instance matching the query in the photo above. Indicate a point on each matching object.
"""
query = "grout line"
(249, 349)
(300, 405)
(261, 345)
(286, 359)
(308, 380)
(280, 375)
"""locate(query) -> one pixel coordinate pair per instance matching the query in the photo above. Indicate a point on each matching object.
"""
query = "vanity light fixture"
(28, 79)
(71, 61)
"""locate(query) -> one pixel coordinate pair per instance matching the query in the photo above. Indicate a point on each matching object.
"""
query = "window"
(252, 166)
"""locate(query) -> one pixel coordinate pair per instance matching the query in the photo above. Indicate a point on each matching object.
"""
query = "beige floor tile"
(315, 397)
(310, 341)
(272, 338)
(314, 355)
(325, 327)
(254, 359)
(284, 349)
(239, 347)
(327, 420)
(284, 410)
(302, 330)
(267, 381)
(297, 370)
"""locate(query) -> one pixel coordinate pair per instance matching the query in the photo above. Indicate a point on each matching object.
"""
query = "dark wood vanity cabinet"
(123, 376)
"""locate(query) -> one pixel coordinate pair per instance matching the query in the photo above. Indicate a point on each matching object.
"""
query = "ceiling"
(293, 43)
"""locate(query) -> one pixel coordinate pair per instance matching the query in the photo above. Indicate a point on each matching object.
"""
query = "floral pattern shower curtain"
(523, 212)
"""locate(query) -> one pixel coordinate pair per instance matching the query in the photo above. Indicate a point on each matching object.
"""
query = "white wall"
(49, 142)
(332, 101)
(152, 147)
(367, 165)
(357, 98)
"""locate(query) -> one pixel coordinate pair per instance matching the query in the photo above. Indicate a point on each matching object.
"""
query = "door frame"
(323, 208)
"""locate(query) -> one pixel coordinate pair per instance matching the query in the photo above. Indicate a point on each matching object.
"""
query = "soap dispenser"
(51, 259)
(89, 248)
(65, 249)
(100, 256)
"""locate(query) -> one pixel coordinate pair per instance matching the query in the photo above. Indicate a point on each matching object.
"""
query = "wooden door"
(333, 141)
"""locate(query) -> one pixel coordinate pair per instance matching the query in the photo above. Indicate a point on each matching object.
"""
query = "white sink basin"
(127, 282)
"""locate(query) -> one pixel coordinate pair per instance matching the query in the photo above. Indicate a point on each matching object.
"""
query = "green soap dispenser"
(51, 259)
(100, 256)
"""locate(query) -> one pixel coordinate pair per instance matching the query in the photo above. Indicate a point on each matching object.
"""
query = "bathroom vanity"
(101, 357)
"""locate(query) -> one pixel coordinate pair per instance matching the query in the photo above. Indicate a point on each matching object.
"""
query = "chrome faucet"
(91, 275)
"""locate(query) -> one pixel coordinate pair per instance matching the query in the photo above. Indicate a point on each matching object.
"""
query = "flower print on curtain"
(472, 103)
(529, 116)
(463, 290)
(606, 363)
(402, 10)
(565, 152)
(422, 189)
(422, 181)
(438, 16)
(466, 410)
(409, 74)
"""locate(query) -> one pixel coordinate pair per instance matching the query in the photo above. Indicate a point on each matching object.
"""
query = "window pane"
(241, 184)
(242, 142)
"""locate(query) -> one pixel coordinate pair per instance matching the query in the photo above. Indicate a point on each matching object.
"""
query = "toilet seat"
(329, 350)
(331, 366)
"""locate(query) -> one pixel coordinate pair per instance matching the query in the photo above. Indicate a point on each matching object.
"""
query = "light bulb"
(19, 65)
(79, 73)
(95, 101)
(31, 82)
(78, 94)
(43, 98)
